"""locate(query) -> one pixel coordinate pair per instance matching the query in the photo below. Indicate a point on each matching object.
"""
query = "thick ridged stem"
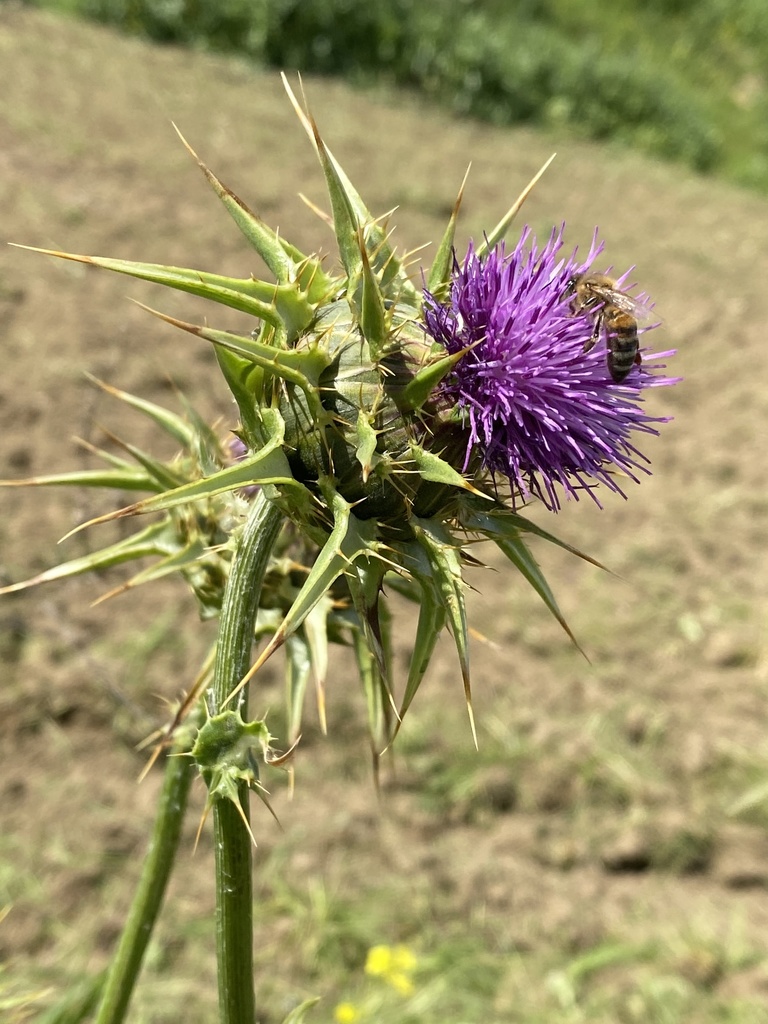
(148, 899)
(232, 844)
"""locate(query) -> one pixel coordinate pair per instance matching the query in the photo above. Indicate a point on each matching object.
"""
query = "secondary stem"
(234, 890)
(148, 899)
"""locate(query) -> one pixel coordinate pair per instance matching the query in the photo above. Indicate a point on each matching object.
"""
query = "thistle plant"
(391, 418)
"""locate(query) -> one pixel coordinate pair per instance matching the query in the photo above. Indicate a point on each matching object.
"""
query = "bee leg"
(592, 339)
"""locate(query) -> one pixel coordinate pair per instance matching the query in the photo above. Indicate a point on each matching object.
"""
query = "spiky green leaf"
(178, 428)
(364, 580)
(373, 321)
(430, 625)
(298, 666)
(506, 528)
(444, 557)
(440, 271)
(247, 294)
(164, 475)
(185, 556)
(377, 699)
(264, 240)
(204, 445)
(505, 223)
(418, 389)
(117, 479)
(157, 539)
(432, 468)
(365, 444)
(302, 367)
(236, 372)
(316, 626)
(345, 223)
(517, 552)
(503, 522)
(395, 283)
(298, 1013)
(317, 285)
(267, 466)
(350, 538)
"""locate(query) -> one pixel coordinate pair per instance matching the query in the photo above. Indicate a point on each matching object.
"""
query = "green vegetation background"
(680, 79)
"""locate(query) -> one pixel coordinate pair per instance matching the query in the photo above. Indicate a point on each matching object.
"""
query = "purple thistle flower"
(237, 448)
(540, 410)
(237, 452)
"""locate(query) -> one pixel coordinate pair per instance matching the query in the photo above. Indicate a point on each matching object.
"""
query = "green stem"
(126, 964)
(232, 844)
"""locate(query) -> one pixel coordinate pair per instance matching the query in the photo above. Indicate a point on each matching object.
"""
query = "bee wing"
(641, 311)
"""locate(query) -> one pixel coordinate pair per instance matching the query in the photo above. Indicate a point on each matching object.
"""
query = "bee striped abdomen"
(623, 345)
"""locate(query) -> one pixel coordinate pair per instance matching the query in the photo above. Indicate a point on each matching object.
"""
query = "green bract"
(336, 388)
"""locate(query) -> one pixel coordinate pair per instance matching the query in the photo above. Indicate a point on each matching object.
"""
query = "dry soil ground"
(617, 805)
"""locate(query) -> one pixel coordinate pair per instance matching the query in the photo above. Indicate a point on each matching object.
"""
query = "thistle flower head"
(379, 420)
(539, 409)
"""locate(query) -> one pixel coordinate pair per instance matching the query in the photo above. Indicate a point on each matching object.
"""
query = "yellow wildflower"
(346, 1013)
(379, 961)
(393, 964)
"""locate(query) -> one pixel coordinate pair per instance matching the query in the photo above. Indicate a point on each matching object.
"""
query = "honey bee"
(616, 315)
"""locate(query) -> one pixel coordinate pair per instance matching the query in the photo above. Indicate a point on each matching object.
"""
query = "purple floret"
(539, 409)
